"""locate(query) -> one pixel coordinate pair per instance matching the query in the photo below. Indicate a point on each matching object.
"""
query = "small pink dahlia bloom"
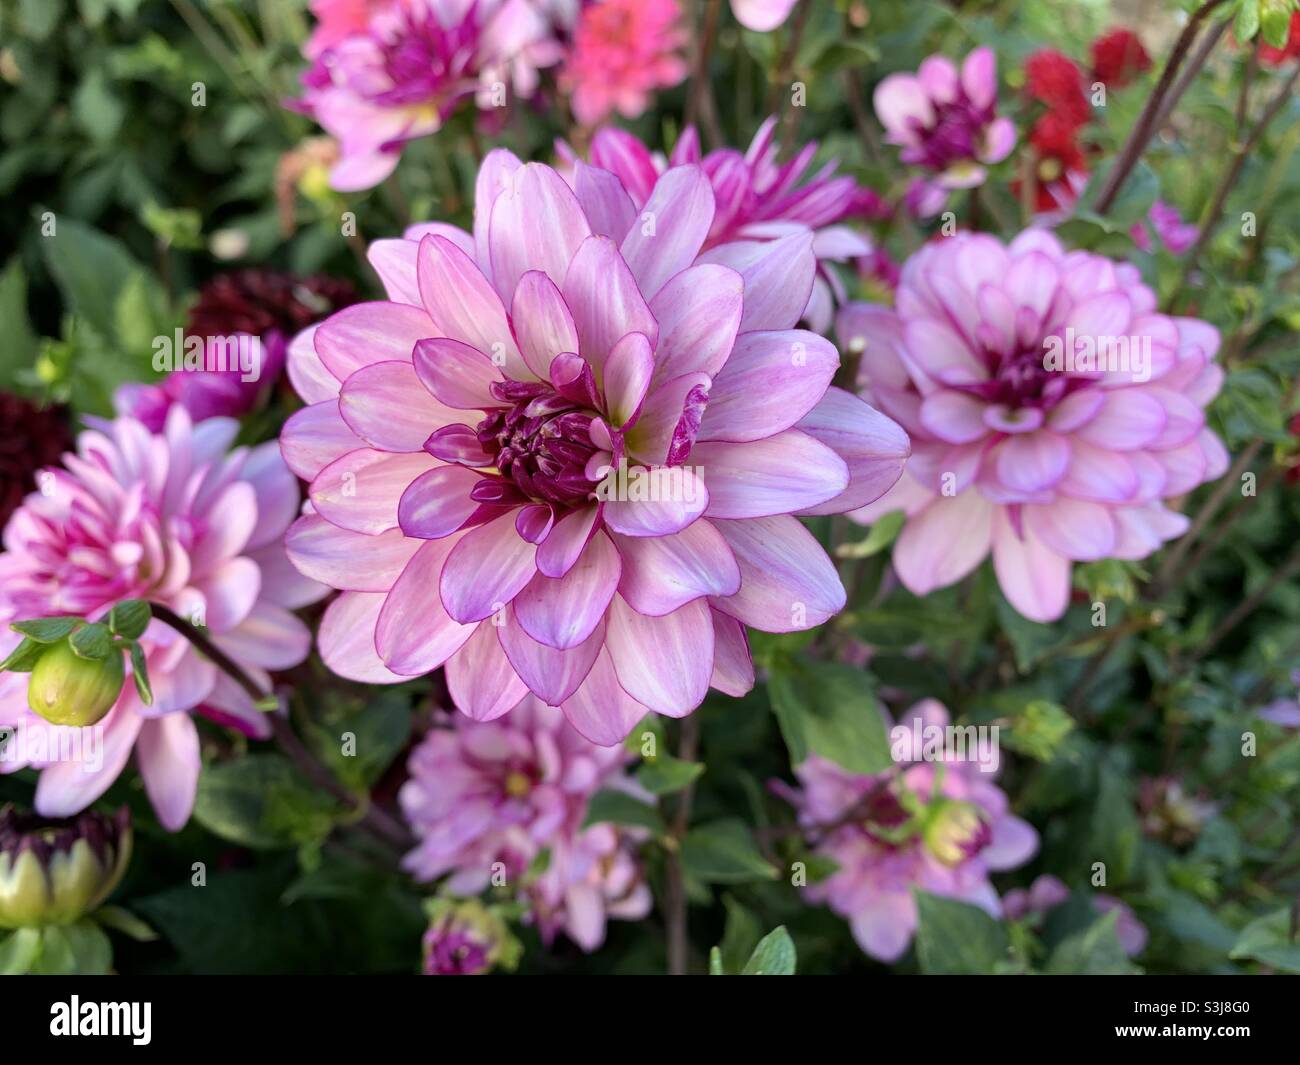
(904, 834)
(176, 518)
(1048, 892)
(565, 456)
(762, 16)
(945, 121)
(483, 793)
(1167, 224)
(756, 198)
(383, 74)
(1021, 445)
(622, 51)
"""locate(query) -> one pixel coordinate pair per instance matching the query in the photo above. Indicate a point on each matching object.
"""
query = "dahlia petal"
(364, 333)
(1105, 315)
(627, 378)
(347, 639)
(314, 437)
(771, 380)
(1032, 462)
(229, 592)
(622, 154)
(1098, 475)
(67, 788)
(1072, 528)
(883, 927)
(386, 406)
(1127, 419)
(761, 16)
(167, 753)
(901, 102)
(979, 77)
(1014, 842)
(276, 490)
(307, 373)
(1184, 419)
(537, 224)
(552, 674)
(237, 505)
(778, 277)
(270, 637)
(874, 448)
(606, 303)
(1035, 579)
(1185, 466)
(669, 419)
(787, 583)
(1076, 410)
(482, 683)
(543, 325)
(999, 140)
(699, 312)
(938, 77)
(563, 612)
(488, 567)
(282, 583)
(180, 685)
(674, 497)
(784, 473)
(944, 542)
(662, 573)
(394, 262)
(733, 666)
(361, 490)
(954, 416)
(673, 225)
(456, 374)
(465, 307)
(604, 201)
(412, 633)
(600, 709)
(438, 502)
(331, 555)
(663, 662)
(1034, 279)
(942, 354)
(558, 553)
(495, 175)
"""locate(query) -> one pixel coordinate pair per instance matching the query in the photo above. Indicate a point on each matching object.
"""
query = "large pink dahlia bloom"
(565, 456)
(940, 826)
(176, 518)
(384, 73)
(756, 198)
(1021, 445)
(487, 799)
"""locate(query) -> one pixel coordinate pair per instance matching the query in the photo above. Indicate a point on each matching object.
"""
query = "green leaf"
(740, 935)
(21, 344)
(774, 955)
(140, 674)
(19, 951)
(130, 618)
(262, 801)
(1275, 21)
(666, 774)
(47, 630)
(957, 938)
(1096, 951)
(724, 852)
(827, 709)
(1268, 939)
(620, 808)
(23, 657)
(80, 949)
(96, 108)
(123, 920)
(93, 641)
(91, 270)
(715, 962)
(1246, 24)
(882, 534)
(357, 739)
(1038, 728)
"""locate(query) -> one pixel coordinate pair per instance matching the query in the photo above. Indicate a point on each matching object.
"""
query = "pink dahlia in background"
(761, 16)
(176, 518)
(1047, 892)
(383, 74)
(756, 198)
(1168, 226)
(942, 827)
(565, 456)
(266, 304)
(483, 793)
(946, 121)
(622, 52)
(1021, 445)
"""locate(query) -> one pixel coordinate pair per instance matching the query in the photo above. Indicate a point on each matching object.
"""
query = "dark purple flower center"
(954, 135)
(455, 952)
(542, 443)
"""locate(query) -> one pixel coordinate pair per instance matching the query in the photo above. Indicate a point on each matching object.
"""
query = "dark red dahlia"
(1118, 57)
(258, 302)
(1058, 159)
(1277, 56)
(31, 438)
(1055, 80)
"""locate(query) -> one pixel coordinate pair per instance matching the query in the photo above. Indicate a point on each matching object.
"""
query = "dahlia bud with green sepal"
(467, 938)
(956, 830)
(67, 689)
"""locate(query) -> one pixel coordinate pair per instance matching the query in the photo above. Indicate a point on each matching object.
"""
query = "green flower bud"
(66, 689)
(955, 831)
(54, 870)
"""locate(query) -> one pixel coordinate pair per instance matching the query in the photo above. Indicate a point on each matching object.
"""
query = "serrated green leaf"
(827, 709)
(774, 955)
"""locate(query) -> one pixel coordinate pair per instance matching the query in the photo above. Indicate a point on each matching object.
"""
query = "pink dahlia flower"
(904, 834)
(565, 455)
(946, 121)
(499, 794)
(762, 16)
(1052, 409)
(179, 519)
(1047, 892)
(623, 50)
(756, 198)
(1168, 225)
(383, 74)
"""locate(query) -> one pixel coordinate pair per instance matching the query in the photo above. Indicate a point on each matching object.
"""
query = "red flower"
(1278, 56)
(1118, 57)
(31, 438)
(1058, 156)
(1056, 81)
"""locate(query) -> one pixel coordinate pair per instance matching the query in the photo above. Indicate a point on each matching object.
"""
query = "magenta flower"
(1168, 225)
(1047, 892)
(400, 74)
(566, 454)
(1051, 408)
(756, 198)
(486, 799)
(180, 519)
(622, 51)
(903, 835)
(946, 122)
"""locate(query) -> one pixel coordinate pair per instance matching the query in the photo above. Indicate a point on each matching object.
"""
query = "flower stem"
(675, 892)
(1289, 569)
(700, 105)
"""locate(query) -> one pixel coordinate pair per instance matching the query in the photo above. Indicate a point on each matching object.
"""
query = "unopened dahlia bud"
(466, 939)
(67, 689)
(956, 831)
(54, 871)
